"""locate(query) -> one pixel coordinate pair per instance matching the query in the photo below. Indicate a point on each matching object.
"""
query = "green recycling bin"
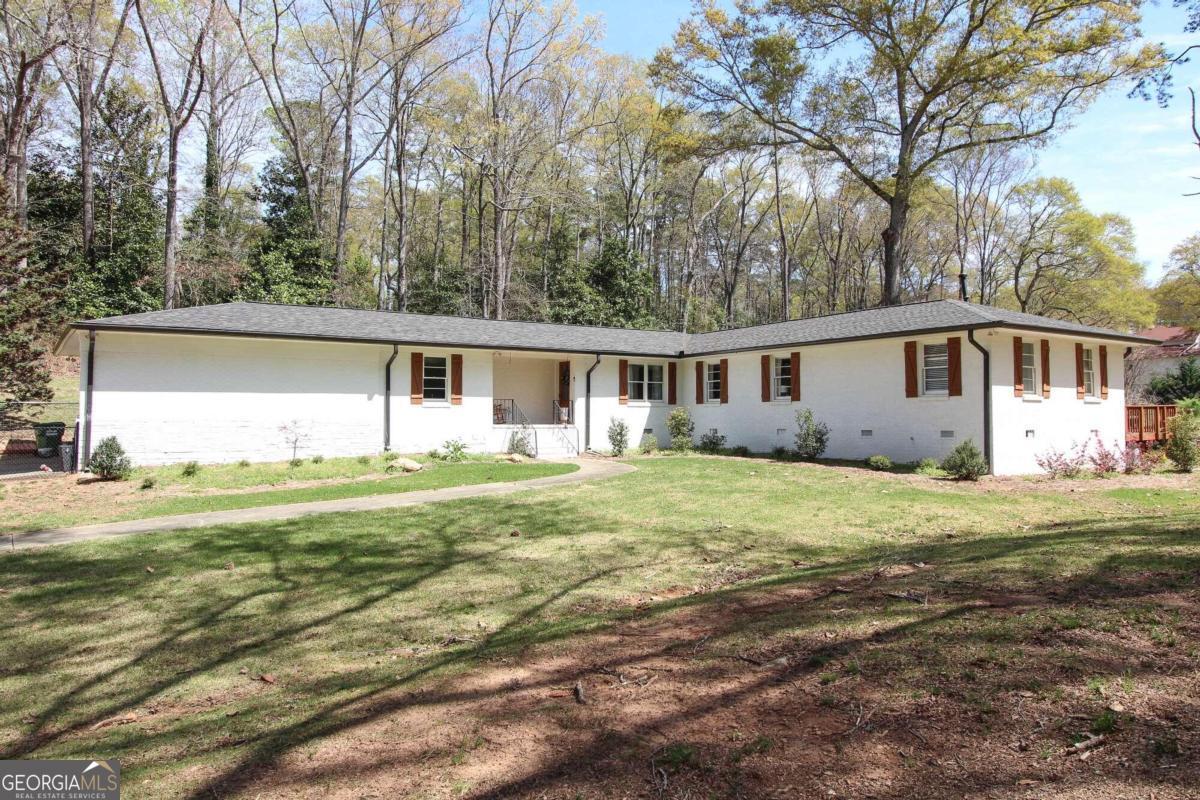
(49, 436)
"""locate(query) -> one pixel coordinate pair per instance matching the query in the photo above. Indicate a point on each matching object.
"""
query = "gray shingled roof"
(354, 325)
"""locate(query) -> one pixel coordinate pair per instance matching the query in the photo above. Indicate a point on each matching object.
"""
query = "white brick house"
(216, 383)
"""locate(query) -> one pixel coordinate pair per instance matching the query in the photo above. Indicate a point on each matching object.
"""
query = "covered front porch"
(531, 390)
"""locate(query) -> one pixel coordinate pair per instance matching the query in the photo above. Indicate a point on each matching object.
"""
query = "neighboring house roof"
(1183, 343)
(353, 325)
(1162, 333)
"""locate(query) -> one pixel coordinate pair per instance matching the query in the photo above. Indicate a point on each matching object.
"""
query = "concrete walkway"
(589, 469)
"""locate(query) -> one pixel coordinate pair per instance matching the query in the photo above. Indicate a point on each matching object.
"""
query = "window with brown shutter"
(765, 369)
(1018, 368)
(724, 380)
(1045, 367)
(671, 399)
(795, 376)
(456, 379)
(954, 364)
(623, 381)
(417, 379)
(910, 369)
(699, 382)
(1103, 372)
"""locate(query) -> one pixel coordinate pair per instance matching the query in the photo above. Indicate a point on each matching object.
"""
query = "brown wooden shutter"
(766, 379)
(1079, 392)
(699, 381)
(954, 365)
(1045, 367)
(456, 379)
(1018, 375)
(623, 381)
(724, 380)
(795, 376)
(417, 379)
(910, 369)
(564, 384)
(671, 398)
(1103, 372)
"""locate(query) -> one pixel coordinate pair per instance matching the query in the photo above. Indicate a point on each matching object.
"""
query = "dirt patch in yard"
(891, 684)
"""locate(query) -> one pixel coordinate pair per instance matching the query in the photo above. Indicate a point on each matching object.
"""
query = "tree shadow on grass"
(312, 583)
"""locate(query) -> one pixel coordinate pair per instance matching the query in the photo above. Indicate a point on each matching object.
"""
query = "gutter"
(587, 406)
(987, 398)
(85, 455)
(387, 400)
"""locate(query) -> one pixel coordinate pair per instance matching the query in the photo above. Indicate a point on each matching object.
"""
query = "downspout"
(987, 397)
(85, 455)
(387, 400)
(587, 406)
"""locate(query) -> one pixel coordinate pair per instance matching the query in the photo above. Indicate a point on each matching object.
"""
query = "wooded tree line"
(491, 159)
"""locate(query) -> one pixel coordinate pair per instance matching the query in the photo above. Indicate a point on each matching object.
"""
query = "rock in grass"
(408, 465)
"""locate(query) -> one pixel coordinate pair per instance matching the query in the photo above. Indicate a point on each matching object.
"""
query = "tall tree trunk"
(785, 267)
(893, 238)
(87, 179)
(169, 279)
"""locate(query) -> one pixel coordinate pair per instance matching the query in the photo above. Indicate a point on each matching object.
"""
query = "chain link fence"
(37, 437)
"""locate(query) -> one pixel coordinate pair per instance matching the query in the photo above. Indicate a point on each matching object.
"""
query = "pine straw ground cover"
(703, 627)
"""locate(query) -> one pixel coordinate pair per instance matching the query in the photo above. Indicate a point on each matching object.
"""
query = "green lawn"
(360, 620)
(58, 502)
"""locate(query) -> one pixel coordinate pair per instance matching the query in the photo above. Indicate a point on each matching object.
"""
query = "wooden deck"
(1147, 423)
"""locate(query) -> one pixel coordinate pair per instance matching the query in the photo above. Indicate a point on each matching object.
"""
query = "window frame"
(778, 393)
(923, 369)
(1030, 373)
(644, 384)
(445, 378)
(1089, 373)
(712, 382)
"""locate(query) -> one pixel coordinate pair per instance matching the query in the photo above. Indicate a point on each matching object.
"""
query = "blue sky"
(1124, 155)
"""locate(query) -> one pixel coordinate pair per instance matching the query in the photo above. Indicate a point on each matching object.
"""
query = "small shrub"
(681, 427)
(781, 453)
(244, 463)
(1183, 446)
(1106, 722)
(149, 482)
(1143, 462)
(519, 444)
(435, 454)
(1059, 464)
(879, 462)
(812, 437)
(928, 467)
(191, 469)
(456, 450)
(618, 437)
(295, 462)
(648, 444)
(364, 460)
(109, 461)
(1105, 460)
(388, 456)
(965, 462)
(317, 459)
(741, 451)
(710, 442)
(1190, 405)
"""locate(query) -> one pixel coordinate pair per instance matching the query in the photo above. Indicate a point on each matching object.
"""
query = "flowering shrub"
(1105, 460)
(1136, 460)
(1059, 464)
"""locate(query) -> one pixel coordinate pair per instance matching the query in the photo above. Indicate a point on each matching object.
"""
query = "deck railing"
(1146, 423)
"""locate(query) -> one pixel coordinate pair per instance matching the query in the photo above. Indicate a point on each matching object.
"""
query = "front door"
(564, 391)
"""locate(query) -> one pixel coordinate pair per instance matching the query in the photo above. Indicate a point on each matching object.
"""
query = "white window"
(435, 378)
(712, 382)
(935, 369)
(1089, 373)
(1029, 372)
(781, 377)
(646, 382)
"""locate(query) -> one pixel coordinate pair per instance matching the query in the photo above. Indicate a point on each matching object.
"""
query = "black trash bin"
(49, 436)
